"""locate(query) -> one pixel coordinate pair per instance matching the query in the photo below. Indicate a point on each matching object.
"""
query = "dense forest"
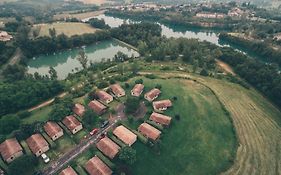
(6, 51)
(46, 45)
(18, 95)
(260, 48)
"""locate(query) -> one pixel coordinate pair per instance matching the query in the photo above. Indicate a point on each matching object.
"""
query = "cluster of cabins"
(95, 166)
(11, 148)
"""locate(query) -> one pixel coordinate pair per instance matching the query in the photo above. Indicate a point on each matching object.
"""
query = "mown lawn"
(201, 142)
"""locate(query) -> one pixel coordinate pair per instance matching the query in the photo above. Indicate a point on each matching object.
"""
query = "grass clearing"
(202, 142)
(41, 114)
(68, 28)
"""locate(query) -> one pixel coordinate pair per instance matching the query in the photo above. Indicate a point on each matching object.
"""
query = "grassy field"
(258, 126)
(202, 142)
(68, 29)
(77, 15)
(257, 123)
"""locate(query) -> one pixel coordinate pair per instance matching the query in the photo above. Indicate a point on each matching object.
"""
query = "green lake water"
(65, 62)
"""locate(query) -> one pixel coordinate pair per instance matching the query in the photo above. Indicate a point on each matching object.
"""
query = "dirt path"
(46, 103)
(225, 67)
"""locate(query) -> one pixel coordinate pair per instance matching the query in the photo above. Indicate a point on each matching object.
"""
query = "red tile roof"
(117, 89)
(68, 171)
(137, 90)
(162, 104)
(153, 93)
(103, 96)
(149, 131)
(9, 147)
(97, 107)
(108, 147)
(160, 118)
(79, 109)
(125, 135)
(36, 142)
(52, 128)
(71, 122)
(96, 167)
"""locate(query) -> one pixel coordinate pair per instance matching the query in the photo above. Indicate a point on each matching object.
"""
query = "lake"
(65, 62)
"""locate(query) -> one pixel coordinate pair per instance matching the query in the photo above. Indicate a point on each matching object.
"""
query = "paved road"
(72, 154)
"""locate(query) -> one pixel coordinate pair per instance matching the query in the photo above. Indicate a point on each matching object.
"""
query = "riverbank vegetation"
(262, 49)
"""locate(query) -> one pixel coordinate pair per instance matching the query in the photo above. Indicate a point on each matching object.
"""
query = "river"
(65, 62)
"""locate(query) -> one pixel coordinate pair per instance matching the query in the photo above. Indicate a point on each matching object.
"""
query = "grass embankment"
(68, 28)
(201, 142)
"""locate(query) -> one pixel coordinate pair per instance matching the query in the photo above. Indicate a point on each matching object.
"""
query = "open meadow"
(257, 123)
(201, 142)
(68, 29)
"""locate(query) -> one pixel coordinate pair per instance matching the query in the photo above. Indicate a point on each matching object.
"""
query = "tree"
(23, 165)
(61, 109)
(52, 33)
(83, 59)
(142, 47)
(8, 124)
(90, 118)
(132, 104)
(53, 73)
(135, 68)
(14, 72)
(128, 155)
(98, 23)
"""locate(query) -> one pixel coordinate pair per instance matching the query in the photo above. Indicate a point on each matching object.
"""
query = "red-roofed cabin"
(117, 90)
(152, 94)
(72, 124)
(95, 166)
(53, 130)
(97, 107)
(149, 131)
(10, 149)
(160, 118)
(104, 96)
(137, 90)
(79, 109)
(162, 105)
(37, 144)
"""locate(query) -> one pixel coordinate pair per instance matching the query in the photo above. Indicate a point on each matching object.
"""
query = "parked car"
(104, 124)
(94, 131)
(102, 135)
(45, 158)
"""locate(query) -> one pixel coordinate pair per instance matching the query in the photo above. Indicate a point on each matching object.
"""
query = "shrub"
(102, 84)
(158, 86)
(177, 116)
(127, 85)
(24, 114)
(156, 125)
(204, 72)
(139, 81)
(112, 81)
(105, 160)
(151, 76)
(143, 139)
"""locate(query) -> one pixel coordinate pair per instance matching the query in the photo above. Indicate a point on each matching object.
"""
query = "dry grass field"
(78, 15)
(96, 2)
(257, 123)
(68, 29)
(258, 129)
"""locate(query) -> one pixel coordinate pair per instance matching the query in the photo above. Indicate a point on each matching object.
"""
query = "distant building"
(79, 109)
(104, 96)
(210, 15)
(117, 90)
(95, 166)
(278, 37)
(10, 149)
(160, 118)
(152, 94)
(108, 147)
(37, 144)
(68, 171)
(53, 130)
(162, 105)
(4, 36)
(125, 135)
(137, 90)
(72, 124)
(97, 107)
(236, 12)
(149, 131)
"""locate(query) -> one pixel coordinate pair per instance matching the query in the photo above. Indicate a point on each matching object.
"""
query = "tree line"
(265, 77)
(260, 48)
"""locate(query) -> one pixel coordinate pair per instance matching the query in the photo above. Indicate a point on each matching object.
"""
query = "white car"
(45, 158)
